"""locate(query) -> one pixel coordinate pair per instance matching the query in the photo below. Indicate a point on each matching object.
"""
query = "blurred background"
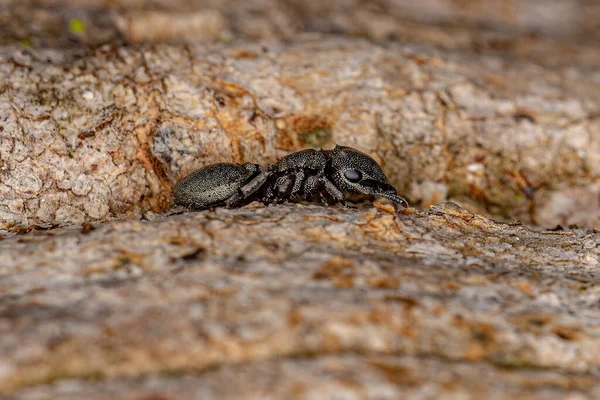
(93, 22)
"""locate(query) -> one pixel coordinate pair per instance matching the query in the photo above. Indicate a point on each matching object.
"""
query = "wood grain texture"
(187, 293)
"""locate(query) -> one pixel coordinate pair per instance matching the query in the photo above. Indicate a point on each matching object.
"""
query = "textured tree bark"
(377, 302)
(99, 119)
(106, 135)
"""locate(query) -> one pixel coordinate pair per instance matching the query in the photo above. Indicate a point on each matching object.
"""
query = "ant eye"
(353, 175)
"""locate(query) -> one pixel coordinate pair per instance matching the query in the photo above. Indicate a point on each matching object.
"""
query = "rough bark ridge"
(106, 135)
(302, 286)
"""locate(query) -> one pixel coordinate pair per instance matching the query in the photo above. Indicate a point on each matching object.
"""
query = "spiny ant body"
(303, 174)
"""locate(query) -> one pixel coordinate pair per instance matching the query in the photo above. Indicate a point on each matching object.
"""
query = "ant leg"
(333, 191)
(316, 184)
(256, 183)
(233, 200)
(299, 180)
(268, 196)
(252, 186)
(283, 184)
(323, 198)
(311, 186)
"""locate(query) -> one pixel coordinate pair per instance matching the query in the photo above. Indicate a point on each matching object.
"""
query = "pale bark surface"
(492, 104)
(107, 135)
(361, 292)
